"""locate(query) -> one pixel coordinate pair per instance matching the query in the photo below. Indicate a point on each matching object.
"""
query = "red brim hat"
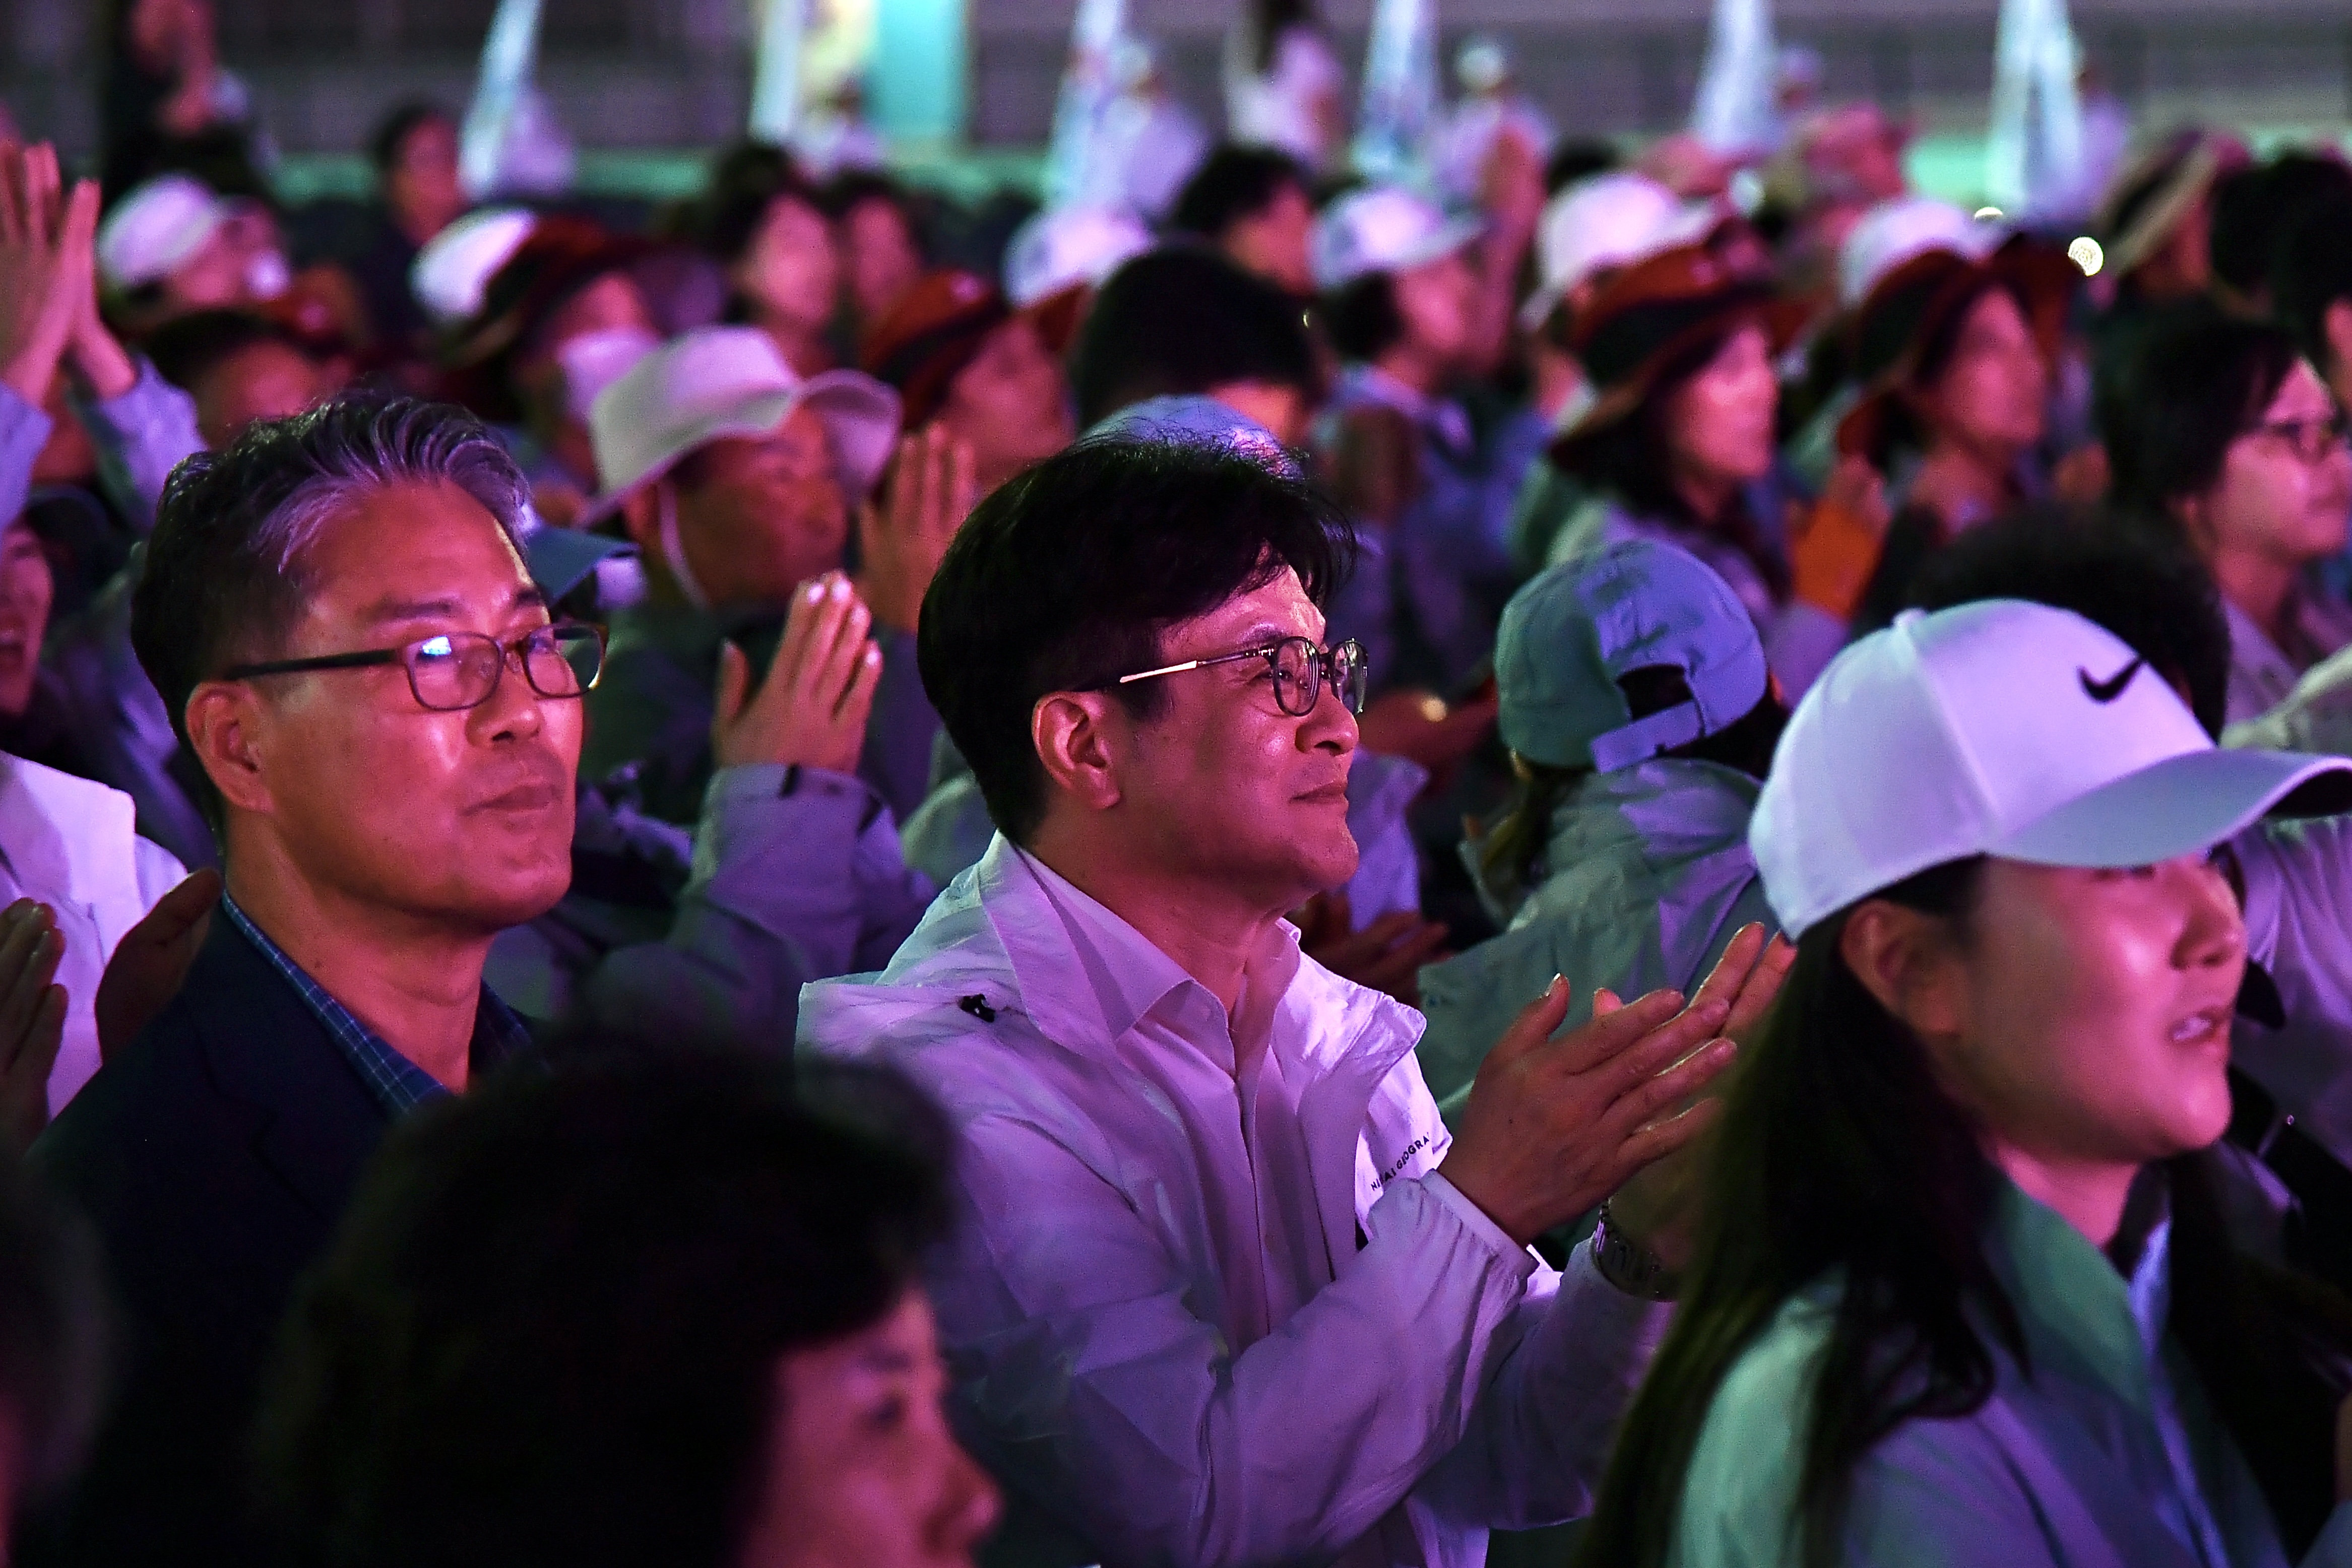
(562, 256)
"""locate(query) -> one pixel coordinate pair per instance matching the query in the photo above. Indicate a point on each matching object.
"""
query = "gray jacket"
(2105, 1455)
(1649, 878)
(791, 876)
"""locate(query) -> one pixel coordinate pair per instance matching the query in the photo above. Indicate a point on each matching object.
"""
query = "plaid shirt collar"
(398, 1084)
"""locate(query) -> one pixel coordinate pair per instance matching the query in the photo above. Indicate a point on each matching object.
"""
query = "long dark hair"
(1839, 1151)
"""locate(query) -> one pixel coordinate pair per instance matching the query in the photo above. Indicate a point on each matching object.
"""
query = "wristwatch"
(1630, 1265)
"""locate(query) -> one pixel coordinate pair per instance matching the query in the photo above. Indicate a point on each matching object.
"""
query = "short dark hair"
(2253, 206)
(745, 181)
(2172, 400)
(1579, 158)
(1181, 319)
(395, 128)
(2312, 269)
(1235, 182)
(225, 580)
(1361, 317)
(547, 1329)
(188, 348)
(1065, 577)
(2155, 597)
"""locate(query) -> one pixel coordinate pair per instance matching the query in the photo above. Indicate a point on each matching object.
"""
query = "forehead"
(410, 542)
(1278, 607)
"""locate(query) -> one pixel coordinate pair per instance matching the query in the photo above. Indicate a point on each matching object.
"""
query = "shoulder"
(1741, 1486)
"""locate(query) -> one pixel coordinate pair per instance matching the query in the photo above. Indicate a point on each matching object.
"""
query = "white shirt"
(1209, 1301)
(71, 844)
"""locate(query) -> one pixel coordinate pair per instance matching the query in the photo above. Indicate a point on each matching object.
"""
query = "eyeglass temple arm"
(1169, 669)
(323, 662)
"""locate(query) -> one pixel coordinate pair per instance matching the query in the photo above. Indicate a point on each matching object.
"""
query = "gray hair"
(224, 578)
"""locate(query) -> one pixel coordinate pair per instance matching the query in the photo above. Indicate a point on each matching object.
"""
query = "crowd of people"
(1593, 862)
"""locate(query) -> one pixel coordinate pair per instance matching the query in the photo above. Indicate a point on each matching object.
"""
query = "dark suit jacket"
(213, 1157)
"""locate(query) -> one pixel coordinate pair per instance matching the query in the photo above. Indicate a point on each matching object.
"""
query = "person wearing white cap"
(1641, 720)
(1492, 105)
(1147, 143)
(737, 480)
(171, 245)
(1066, 250)
(1414, 299)
(1965, 1295)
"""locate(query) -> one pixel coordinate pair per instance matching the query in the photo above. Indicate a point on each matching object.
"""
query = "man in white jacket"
(1225, 1290)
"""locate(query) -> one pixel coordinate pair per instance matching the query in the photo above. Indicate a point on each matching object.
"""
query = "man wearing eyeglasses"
(1226, 1292)
(388, 724)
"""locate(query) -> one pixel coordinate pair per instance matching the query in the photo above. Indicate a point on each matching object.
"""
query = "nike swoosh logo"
(2107, 691)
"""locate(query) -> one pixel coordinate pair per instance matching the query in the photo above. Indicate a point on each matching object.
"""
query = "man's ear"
(223, 719)
(2335, 325)
(1904, 960)
(1072, 733)
(641, 519)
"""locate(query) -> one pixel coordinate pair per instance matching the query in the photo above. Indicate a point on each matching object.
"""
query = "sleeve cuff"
(1475, 1220)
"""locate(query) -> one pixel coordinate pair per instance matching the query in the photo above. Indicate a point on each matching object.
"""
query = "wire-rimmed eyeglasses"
(1299, 670)
(454, 670)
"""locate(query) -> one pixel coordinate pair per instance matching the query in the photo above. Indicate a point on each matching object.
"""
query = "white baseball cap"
(2002, 728)
(1383, 228)
(1064, 246)
(456, 265)
(718, 382)
(1893, 232)
(1608, 220)
(156, 228)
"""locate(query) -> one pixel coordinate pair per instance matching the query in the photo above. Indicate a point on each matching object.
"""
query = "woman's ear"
(1905, 959)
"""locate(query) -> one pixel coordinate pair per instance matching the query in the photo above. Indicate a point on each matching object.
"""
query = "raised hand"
(151, 960)
(810, 710)
(1658, 1206)
(32, 1019)
(1554, 1125)
(48, 267)
(903, 535)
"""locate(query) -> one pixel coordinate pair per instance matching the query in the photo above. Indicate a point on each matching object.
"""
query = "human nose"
(970, 1507)
(2215, 931)
(512, 708)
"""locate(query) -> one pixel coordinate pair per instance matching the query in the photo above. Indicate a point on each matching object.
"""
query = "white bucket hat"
(456, 265)
(1065, 247)
(718, 382)
(1893, 232)
(1383, 228)
(1996, 728)
(1610, 220)
(156, 228)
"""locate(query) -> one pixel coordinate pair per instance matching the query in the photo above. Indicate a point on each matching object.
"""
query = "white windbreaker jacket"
(1443, 1381)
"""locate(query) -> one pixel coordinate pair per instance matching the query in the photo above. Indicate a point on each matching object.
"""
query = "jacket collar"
(2080, 1310)
(314, 1124)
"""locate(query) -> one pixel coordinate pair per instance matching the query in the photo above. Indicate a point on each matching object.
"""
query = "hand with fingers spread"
(903, 535)
(810, 710)
(1386, 956)
(1657, 1208)
(1553, 1126)
(48, 267)
(32, 1019)
(152, 961)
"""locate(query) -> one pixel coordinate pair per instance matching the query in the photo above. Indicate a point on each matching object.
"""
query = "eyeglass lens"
(1299, 670)
(461, 669)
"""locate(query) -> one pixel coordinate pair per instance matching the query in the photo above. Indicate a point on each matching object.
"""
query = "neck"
(2262, 588)
(2087, 1195)
(1202, 924)
(1709, 495)
(1405, 362)
(1959, 480)
(415, 980)
(803, 345)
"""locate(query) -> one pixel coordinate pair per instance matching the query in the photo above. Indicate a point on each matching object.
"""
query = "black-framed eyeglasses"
(1299, 669)
(2310, 439)
(454, 670)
